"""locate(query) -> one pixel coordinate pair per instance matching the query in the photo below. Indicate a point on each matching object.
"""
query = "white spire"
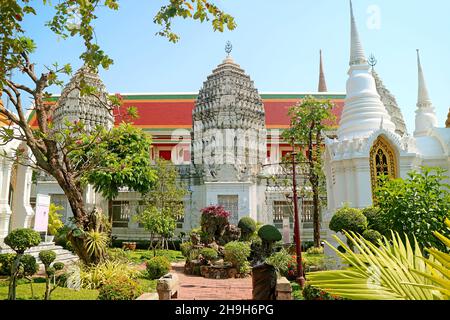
(357, 55)
(423, 99)
(363, 113)
(425, 113)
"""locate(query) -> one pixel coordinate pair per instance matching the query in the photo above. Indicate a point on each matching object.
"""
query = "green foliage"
(47, 257)
(122, 160)
(374, 219)
(117, 255)
(54, 219)
(209, 254)
(372, 236)
(28, 266)
(237, 254)
(315, 250)
(247, 226)
(120, 288)
(185, 248)
(157, 267)
(269, 233)
(417, 206)
(280, 261)
(6, 260)
(348, 219)
(22, 239)
(92, 277)
(96, 243)
(313, 293)
(58, 266)
(157, 223)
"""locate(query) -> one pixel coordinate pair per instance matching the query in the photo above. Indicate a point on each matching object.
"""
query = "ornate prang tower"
(229, 139)
(90, 109)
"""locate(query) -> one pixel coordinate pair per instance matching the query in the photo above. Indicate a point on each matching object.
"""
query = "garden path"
(199, 288)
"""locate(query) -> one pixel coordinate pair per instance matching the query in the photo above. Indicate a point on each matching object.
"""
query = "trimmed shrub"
(157, 267)
(247, 226)
(28, 265)
(58, 266)
(348, 219)
(120, 288)
(374, 219)
(237, 254)
(22, 239)
(372, 236)
(47, 257)
(315, 250)
(6, 260)
(209, 254)
(269, 233)
(185, 248)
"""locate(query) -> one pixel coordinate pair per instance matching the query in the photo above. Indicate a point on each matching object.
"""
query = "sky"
(276, 42)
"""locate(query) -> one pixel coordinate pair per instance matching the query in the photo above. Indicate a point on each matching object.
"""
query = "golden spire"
(322, 82)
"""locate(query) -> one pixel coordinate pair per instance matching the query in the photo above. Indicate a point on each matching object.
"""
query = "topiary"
(237, 253)
(120, 288)
(6, 260)
(28, 265)
(47, 257)
(185, 248)
(22, 239)
(58, 266)
(374, 219)
(247, 226)
(157, 267)
(348, 219)
(372, 236)
(269, 233)
(209, 254)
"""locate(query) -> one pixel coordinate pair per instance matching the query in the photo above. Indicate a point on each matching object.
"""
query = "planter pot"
(129, 246)
(264, 281)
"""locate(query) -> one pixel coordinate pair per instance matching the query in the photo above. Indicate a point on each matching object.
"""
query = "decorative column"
(21, 207)
(5, 209)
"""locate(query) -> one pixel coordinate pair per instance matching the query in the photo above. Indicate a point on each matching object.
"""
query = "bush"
(54, 219)
(237, 254)
(185, 248)
(47, 257)
(209, 254)
(28, 265)
(374, 219)
(93, 277)
(22, 239)
(348, 219)
(315, 250)
(120, 288)
(313, 293)
(247, 226)
(269, 233)
(58, 266)
(280, 261)
(117, 254)
(372, 236)
(157, 267)
(6, 260)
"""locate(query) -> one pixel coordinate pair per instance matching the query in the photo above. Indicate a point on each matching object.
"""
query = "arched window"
(383, 162)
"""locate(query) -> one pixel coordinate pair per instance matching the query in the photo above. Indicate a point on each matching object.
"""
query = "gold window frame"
(383, 145)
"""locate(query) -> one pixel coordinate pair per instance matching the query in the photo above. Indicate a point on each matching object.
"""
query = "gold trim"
(382, 148)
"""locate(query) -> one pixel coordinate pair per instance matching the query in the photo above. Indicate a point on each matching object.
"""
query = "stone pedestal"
(284, 289)
(168, 287)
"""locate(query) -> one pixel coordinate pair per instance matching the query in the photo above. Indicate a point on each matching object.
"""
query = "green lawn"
(139, 256)
(24, 292)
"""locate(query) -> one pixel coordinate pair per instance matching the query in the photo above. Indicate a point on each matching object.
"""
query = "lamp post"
(297, 238)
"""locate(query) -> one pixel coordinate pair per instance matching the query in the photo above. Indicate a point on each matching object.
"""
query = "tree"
(164, 203)
(308, 121)
(56, 151)
(416, 206)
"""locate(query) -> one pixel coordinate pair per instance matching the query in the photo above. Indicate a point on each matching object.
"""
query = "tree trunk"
(13, 277)
(316, 214)
(47, 288)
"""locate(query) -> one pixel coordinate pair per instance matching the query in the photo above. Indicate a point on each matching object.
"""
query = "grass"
(139, 256)
(24, 292)
(148, 285)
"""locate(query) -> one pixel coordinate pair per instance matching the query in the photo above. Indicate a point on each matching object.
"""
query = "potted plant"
(54, 222)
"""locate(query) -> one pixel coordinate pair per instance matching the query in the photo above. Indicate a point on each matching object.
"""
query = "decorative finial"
(372, 61)
(228, 48)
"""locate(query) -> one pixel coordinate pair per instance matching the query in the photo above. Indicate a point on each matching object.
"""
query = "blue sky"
(276, 42)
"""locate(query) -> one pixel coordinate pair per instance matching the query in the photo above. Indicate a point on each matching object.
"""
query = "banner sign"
(41, 215)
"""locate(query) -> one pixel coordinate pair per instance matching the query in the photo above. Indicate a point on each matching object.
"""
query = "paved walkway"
(199, 288)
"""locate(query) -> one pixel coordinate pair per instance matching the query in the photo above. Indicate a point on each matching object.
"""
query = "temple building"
(225, 142)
